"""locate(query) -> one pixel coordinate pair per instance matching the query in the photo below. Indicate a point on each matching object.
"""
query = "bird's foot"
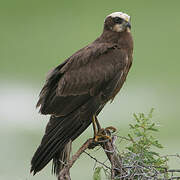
(104, 134)
(101, 138)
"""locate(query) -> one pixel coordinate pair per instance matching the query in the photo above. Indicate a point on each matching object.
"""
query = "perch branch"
(118, 169)
(109, 149)
(65, 172)
(114, 158)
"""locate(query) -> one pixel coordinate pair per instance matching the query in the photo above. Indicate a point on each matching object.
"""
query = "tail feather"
(61, 158)
(59, 131)
(51, 142)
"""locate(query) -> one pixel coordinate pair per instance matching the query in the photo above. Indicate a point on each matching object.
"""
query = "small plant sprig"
(142, 142)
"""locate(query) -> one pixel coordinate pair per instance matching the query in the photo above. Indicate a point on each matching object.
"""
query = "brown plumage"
(79, 88)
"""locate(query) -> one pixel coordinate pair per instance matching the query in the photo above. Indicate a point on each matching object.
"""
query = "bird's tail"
(55, 144)
(61, 158)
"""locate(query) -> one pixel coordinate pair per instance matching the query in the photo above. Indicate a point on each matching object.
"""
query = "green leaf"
(154, 153)
(150, 113)
(130, 148)
(131, 126)
(156, 144)
(136, 117)
(130, 137)
(97, 173)
(152, 129)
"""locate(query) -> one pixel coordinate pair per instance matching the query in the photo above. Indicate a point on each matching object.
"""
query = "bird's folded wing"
(88, 70)
(81, 76)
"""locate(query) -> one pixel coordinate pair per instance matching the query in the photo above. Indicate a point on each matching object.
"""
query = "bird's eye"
(118, 20)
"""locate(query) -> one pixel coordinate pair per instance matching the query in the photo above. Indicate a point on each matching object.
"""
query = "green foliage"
(140, 158)
(97, 173)
(142, 141)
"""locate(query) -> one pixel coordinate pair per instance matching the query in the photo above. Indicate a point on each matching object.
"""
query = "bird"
(77, 90)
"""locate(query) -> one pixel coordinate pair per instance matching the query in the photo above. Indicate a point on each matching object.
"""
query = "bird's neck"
(121, 38)
(109, 36)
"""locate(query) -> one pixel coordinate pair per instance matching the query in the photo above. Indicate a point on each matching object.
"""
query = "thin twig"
(97, 160)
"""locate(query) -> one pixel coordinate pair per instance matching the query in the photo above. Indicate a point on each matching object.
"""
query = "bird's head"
(117, 22)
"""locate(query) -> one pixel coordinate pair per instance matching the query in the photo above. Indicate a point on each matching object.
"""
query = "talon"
(111, 129)
(99, 138)
(96, 138)
(102, 135)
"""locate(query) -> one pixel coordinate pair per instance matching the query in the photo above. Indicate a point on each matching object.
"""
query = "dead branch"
(114, 158)
(109, 149)
(117, 169)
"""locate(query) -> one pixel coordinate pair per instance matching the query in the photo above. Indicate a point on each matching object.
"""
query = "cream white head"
(118, 22)
(122, 15)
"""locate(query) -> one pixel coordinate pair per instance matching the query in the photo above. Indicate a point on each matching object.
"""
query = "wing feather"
(98, 70)
(81, 76)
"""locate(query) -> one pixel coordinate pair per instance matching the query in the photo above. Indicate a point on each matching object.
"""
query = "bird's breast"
(122, 76)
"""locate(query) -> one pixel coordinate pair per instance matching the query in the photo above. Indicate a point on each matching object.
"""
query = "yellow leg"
(94, 125)
(101, 134)
(97, 124)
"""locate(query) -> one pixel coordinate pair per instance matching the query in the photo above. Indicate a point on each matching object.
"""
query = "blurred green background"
(37, 35)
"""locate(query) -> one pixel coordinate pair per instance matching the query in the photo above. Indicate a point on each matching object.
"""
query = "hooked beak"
(128, 25)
